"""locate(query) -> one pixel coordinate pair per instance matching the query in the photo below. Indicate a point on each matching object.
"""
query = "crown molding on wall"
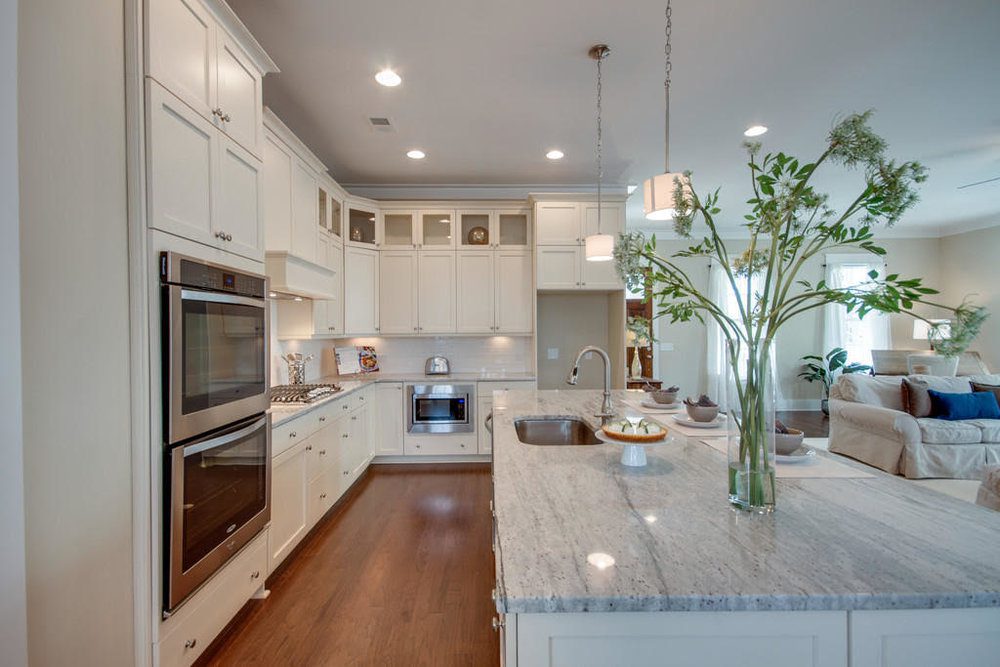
(519, 192)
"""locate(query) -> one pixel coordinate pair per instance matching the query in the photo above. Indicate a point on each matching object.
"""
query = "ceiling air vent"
(380, 124)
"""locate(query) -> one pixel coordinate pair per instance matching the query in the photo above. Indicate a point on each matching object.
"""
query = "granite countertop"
(832, 544)
(282, 413)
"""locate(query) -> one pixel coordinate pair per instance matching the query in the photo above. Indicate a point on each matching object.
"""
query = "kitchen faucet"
(607, 412)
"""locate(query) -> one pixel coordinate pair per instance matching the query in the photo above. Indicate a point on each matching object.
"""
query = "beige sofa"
(868, 423)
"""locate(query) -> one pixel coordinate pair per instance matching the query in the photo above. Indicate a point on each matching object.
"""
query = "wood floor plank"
(399, 574)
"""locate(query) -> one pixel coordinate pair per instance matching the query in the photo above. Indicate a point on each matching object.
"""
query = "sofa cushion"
(969, 405)
(994, 389)
(948, 384)
(989, 427)
(989, 378)
(878, 391)
(943, 432)
(916, 400)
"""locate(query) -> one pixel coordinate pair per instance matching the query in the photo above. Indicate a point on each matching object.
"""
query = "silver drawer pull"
(344, 435)
(255, 575)
(322, 419)
(322, 452)
(191, 643)
(322, 496)
(292, 434)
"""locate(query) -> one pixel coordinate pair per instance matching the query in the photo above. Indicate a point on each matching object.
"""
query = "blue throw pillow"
(973, 405)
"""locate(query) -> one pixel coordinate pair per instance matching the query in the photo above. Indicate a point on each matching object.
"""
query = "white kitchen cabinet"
(398, 292)
(239, 95)
(240, 199)
(361, 225)
(387, 419)
(400, 230)
(436, 285)
(504, 228)
(514, 291)
(305, 235)
(289, 502)
(277, 186)
(361, 291)
(476, 307)
(558, 223)
(437, 229)
(612, 219)
(181, 167)
(485, 438)
(200, 62)
(599, 275)
(558, 267)
(432, 444)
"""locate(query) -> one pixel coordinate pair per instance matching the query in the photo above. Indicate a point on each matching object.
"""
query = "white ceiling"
(489, 86)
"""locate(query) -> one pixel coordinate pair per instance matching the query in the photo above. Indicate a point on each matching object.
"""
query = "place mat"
(822, 465)
(666, 418)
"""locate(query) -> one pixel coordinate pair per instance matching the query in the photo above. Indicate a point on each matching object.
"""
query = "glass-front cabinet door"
(399, 230)
(336, 221)
(437, 229)
(362, 226)
(513, 229)
(324, 210)
(475, 230)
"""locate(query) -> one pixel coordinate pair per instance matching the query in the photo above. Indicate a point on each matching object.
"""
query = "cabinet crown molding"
(228, 19)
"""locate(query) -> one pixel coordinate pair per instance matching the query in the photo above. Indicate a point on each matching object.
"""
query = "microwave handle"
(217, 297)
(198, 447)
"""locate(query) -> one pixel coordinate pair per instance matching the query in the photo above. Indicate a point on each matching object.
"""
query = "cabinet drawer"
(439, 445)
(197, 623)
(292, 432)
(322, 495)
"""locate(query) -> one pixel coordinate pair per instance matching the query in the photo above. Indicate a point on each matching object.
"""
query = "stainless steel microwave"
(440, 408)
(215, 346)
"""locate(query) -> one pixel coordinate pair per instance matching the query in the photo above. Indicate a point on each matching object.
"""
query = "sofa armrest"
(884, 422)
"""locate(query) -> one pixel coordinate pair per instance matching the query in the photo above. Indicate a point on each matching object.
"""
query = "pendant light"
(599, 247)
(658, 191)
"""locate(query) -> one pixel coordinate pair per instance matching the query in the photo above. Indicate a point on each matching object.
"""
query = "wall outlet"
(552, 353)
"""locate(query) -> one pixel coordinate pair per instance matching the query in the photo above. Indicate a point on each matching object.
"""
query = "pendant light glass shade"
(599, 247)
(658, 195)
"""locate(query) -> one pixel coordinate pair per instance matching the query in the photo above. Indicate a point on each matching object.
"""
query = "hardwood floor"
(399, 574)
(813, 423)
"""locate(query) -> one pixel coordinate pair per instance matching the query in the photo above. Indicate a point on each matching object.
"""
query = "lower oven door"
(217, 500)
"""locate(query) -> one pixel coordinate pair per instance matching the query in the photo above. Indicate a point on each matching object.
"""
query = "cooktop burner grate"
(302, 393)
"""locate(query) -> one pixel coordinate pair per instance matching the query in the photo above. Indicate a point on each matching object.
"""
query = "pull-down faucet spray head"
(573, 375)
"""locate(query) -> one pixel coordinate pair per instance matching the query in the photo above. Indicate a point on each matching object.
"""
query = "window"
(859, 336)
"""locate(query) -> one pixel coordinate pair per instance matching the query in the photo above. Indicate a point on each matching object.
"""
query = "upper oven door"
(218, 360)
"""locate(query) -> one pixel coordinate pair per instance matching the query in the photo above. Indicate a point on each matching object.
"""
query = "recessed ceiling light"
(554, 154)
(601, 561)
(755, 131)
(388, 78)
(416, 154)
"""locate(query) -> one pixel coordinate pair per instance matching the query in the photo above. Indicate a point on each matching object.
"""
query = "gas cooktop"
(302, 393)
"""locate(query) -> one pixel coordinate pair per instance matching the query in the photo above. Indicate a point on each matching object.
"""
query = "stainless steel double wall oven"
(217, 435)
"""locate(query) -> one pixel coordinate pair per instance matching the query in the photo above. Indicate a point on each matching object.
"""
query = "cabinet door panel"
(514, 288)
(398, 293)
(436, 301)
(475, 302)
(239, 196)
(277, 186)
(181, 167)
(239, 95)
(361, 291)
(289, 504)
(181, 51)
(485, 437)
(599, 275)
(388, 419)
(335, 307)
(612, 219)
(558, 224)
(305, 235)
(558, 267)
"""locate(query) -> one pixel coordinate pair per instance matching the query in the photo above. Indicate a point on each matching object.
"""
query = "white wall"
(685, 364)
(567, 322)
(74, 332)
(971, 262)
(13, 614)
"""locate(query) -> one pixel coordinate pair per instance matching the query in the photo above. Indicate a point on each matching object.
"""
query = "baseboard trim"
(469, 458)
(798, 404)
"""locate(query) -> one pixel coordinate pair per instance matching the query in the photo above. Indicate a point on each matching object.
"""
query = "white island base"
(879, 638)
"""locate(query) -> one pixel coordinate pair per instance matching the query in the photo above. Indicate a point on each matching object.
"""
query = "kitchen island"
(599, 564)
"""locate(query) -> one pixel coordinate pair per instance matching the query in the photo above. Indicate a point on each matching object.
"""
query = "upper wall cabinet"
(193, 56)
(361, 223)
(560, 229)
(491, 230)
(558, 223)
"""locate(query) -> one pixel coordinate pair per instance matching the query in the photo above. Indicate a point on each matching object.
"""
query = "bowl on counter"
(664, 396)
(786, 443)
(702, 413)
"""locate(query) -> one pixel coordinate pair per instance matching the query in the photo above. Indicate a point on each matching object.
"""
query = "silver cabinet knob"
(354, 418)
(322, 419)
(322, 452)
(255, 575)
(343, 407)
(229, 237)
(322, 496)
(220, 235)
(343, 435)
(347, 472)
(361, 398)
(226, 118)
(191, 643)
(217, 112)
(292, 434)
(309, 448)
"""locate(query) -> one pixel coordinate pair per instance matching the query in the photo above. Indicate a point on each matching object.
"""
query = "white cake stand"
(633, 453)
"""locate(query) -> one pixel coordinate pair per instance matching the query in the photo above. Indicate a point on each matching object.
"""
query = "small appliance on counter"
(437, 366)
(296, 367)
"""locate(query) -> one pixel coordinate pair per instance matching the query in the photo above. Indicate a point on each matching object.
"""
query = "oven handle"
(218, 297)
(198, 447)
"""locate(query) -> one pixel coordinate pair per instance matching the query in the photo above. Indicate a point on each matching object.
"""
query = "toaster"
(436, 366)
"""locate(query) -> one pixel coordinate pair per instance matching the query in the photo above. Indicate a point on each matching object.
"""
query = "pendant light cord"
(666, 90)
(600, 166)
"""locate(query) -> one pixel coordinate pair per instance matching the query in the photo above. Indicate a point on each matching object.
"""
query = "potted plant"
(949, 340)
(788, 224)
(825, 369)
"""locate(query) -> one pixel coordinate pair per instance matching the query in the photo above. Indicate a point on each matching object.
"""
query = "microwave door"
(218, 346)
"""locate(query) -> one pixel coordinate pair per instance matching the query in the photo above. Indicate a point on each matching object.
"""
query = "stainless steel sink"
(555, 431)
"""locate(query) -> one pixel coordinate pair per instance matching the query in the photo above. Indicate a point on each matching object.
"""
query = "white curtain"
(859, 336)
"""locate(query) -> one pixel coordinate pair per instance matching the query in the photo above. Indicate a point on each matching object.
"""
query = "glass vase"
(750, 406)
